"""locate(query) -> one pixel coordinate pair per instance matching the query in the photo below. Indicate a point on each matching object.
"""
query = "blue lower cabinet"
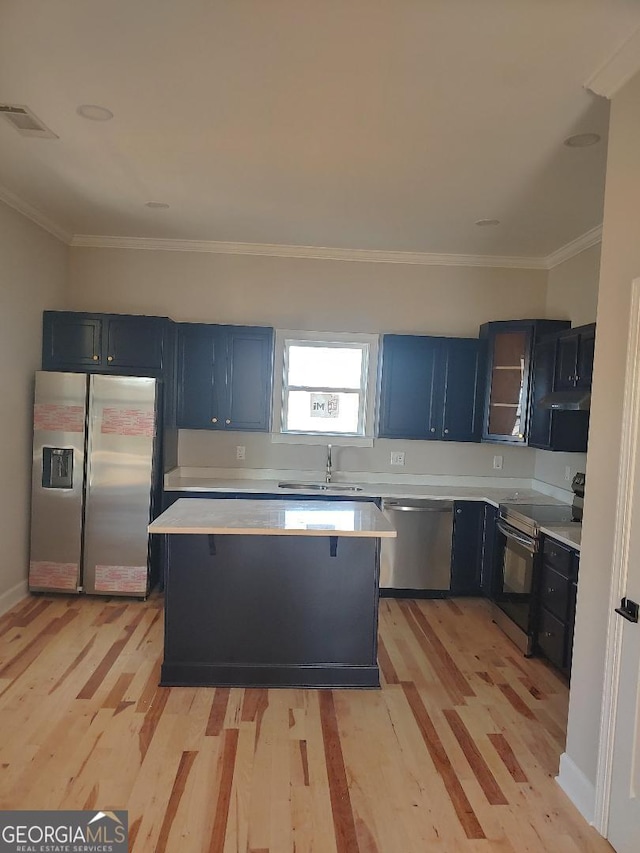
(467, 551)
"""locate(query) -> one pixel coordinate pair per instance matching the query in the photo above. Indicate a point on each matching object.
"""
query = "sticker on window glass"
(325, 406)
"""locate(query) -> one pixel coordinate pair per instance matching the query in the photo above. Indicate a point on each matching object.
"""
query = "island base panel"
(211, 675)
(272, 610)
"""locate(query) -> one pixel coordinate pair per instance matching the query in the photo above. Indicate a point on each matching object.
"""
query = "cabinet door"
(552, 638)
(567, 362)
(249, 371)
(71, 341)
(462, 406)
(198, 351)
(542, 384)
(585, 358)
(135, 343)
(407, 387)
(490, 553)
(466, 554)
(508, 392)
(571, 618)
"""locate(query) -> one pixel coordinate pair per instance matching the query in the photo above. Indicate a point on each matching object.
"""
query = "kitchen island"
(280, 593)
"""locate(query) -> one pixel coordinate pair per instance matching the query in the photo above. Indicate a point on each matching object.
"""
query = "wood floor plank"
(180, 782)
(456, 753)
(442, 763)
(228, 758)
(343, 822)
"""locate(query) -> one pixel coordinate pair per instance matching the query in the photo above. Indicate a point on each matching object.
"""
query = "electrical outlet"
(497, 463)
(397, 457)
(240, 451)
(567, 473)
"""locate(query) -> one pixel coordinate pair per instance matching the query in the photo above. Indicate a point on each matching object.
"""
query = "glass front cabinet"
(510, 351)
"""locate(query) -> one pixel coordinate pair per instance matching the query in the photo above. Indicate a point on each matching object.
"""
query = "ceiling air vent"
(25, 122)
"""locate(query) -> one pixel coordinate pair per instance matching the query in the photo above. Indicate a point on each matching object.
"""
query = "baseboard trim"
(12, 596)
(577, 787)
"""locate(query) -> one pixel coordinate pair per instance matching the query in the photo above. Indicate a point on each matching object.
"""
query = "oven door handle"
(526, 541)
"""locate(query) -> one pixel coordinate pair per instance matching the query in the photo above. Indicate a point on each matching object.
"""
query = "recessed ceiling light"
(94, 113)
(582, 140)
(485, 222)
(157, 205)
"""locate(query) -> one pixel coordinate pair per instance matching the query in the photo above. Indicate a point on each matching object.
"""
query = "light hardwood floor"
(457, 752)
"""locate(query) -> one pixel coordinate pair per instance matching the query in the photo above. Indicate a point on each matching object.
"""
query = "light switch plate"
(397, 457)
(497, 463)
(240, 451)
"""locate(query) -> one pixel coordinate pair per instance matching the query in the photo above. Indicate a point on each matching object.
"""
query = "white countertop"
(490, 493)
(246, 517)
(568, 534)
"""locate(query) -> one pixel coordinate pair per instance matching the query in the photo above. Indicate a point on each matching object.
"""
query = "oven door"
(513, 591)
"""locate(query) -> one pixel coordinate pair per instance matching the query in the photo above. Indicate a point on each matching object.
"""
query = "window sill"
(324, 439)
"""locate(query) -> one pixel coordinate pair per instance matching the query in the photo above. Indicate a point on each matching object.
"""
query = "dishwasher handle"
(443, 507)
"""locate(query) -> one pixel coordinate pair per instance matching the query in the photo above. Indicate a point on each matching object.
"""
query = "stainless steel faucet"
(329, 468)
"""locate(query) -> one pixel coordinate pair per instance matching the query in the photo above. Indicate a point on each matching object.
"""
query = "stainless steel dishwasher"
(420, 557)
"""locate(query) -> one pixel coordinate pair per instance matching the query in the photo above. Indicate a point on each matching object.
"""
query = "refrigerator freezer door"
(120, 448)
(59, 415)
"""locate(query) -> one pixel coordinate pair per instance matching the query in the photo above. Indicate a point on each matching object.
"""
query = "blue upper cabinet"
(430, 388)
(463, 387)
(510, 361)
(563, 362)
(224, 377)
(574, 365)
(407, 387)
(105, 343)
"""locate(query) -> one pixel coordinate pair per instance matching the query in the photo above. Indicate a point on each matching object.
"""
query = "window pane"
(325, 367)
(300, 417)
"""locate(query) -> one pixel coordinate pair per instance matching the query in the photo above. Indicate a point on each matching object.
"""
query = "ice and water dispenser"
(57, 467)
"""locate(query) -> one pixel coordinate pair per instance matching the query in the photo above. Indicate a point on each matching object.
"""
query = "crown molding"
(585, 241)
(34, 215)
(618, 69)
(322, 253)
(274, 250)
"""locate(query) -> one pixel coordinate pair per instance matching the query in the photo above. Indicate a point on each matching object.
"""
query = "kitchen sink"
(321, 487)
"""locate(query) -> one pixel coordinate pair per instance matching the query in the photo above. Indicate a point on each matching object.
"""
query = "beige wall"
(300, 293)
(33, 275)
(218, 450)
(620, 265)
(318, 295)
(572, 291)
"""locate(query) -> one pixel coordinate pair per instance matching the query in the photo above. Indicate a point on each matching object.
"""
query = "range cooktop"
(530, 517)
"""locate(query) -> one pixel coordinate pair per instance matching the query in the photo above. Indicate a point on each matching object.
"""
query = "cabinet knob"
(96, 357)
(228, 421)
(109, 358)
(458, 512)
(550, 590)
(576, 379)
(571, 378)
(547, 634)
(446, 432)
(433, 429)
(214, 420)
(520, 435)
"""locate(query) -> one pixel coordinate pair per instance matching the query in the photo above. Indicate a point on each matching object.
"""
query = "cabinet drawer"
(551, 638)
(557, 556)
(554, 592)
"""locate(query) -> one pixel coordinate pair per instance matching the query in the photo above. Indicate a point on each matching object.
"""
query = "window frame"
(368, 343)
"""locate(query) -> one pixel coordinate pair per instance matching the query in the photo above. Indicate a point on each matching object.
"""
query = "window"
(327, 384)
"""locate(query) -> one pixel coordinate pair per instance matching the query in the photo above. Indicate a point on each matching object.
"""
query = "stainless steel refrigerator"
(95, 442)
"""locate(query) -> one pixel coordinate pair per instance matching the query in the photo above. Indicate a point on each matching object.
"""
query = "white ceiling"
(356, 124)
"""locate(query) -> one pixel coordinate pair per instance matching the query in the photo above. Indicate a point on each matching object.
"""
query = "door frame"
(629, 452)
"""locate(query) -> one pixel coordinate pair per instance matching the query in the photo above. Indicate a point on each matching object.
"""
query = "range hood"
(578, 400)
